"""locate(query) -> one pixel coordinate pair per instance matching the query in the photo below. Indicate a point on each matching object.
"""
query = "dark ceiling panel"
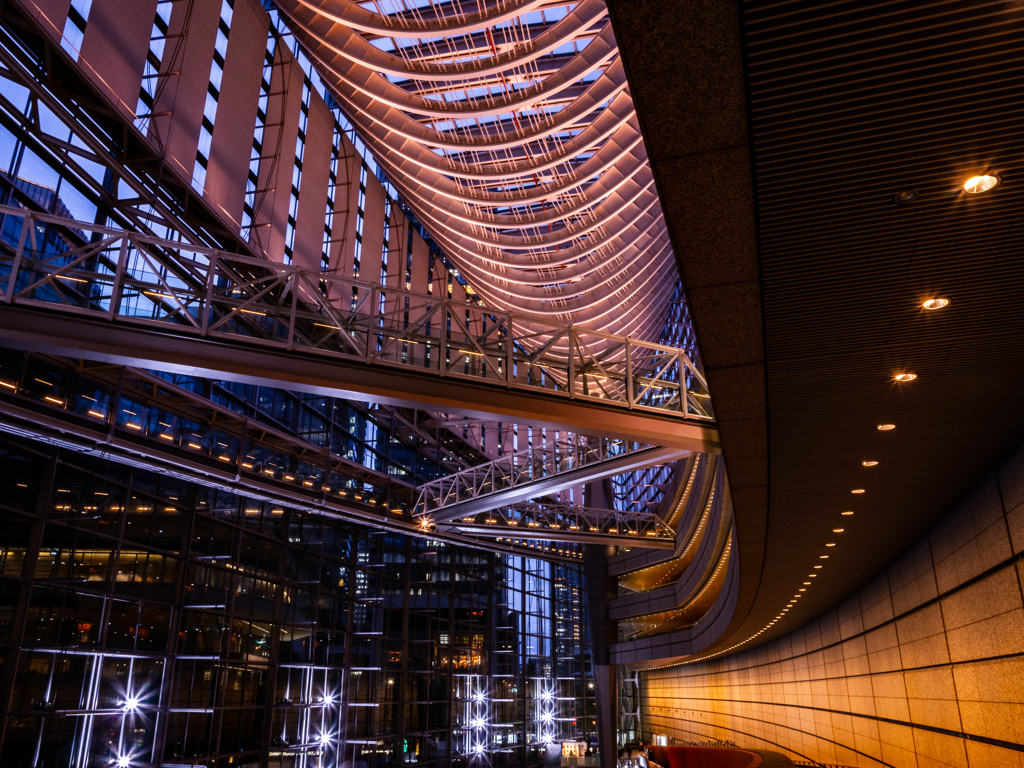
(852, 102)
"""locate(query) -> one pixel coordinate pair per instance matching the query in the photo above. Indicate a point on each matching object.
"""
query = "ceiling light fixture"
(830, 544)
(905, 376)
(847, 513)
(857, 490)
(817, 566)
(838, 530)
(976, 185)
(869, 463)
(935, 304)
(906, 196)
(885, 427)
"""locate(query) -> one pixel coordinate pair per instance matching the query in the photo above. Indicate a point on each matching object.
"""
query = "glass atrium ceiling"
(510, 129)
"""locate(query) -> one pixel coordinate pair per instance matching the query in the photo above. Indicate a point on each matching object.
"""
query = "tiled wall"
(923, 667)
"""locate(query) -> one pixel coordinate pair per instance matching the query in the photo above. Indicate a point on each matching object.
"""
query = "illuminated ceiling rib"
(509, 128)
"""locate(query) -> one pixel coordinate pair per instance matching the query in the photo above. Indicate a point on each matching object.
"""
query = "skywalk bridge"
(534, 472)
(82, 290)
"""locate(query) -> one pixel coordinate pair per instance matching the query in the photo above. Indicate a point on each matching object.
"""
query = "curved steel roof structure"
(510, 129)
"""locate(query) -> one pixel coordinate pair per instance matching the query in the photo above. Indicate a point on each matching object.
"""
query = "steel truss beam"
(534, 472)
(529, 170)
(78, 289)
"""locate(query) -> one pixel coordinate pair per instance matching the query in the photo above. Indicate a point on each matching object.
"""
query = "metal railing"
(76, 267)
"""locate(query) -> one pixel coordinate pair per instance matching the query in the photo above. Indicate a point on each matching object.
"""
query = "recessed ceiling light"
(838, 530)
(847, 513)
(830, 544)
(905, 376)
(817, 566)
(981, 183)
(869, 463)
(823, 557)
(807, 582)
(857, 490)
(813, 575)
(906, 196)
(885, 427)
(935, 304)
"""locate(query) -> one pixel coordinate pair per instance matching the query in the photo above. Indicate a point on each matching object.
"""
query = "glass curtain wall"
(146, 620)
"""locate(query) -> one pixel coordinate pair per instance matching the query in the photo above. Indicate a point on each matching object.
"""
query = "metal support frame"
(534, 472)
(105, 136)
(630, 706)
(258, 441)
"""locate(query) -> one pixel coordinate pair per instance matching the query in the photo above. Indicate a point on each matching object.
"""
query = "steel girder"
(103, 135)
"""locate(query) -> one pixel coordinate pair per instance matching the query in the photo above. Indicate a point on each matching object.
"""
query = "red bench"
(704, 757)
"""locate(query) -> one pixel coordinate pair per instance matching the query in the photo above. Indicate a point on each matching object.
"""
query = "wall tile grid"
(923, 667)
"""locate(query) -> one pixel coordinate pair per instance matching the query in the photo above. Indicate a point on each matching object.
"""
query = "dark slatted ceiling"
(852, 102)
